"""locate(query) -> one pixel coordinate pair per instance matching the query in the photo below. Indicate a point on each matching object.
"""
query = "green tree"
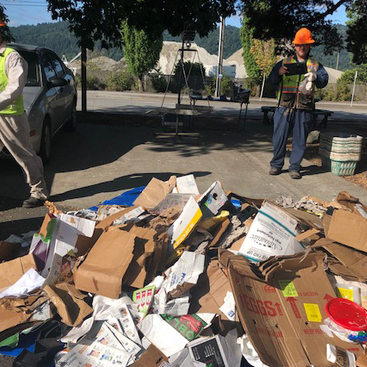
(357, 30)
(348, 76)
(282, 18)
(252, 69)
(141, 51)
(264, 55)
(93, 20)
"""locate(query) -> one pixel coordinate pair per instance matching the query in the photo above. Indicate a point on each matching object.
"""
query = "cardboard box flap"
(208, 295)
(352, 203)
(155, 192)
(12, 270)
(352, 263)
(349, 229)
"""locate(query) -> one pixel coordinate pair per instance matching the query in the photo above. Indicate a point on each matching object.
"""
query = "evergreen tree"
(141, 51)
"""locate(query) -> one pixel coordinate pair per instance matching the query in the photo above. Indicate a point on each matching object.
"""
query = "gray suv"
(50, 96)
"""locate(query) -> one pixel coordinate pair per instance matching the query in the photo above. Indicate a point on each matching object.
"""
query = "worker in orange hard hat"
(297, 76)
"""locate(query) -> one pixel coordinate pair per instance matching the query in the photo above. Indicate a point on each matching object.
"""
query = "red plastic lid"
(347, 314)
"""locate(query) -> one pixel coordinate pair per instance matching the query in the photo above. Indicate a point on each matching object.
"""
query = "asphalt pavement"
(100, 161)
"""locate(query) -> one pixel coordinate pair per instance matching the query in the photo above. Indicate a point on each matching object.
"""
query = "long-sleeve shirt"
(16, 69)
(322, 77)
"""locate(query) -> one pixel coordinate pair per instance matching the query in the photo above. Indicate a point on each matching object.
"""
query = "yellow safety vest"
(291, 96)
(17, 106)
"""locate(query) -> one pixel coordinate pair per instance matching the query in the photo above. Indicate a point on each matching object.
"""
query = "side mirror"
(58, 82)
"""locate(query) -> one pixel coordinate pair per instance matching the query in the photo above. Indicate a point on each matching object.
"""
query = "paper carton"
(349, 229)
(272, 233)
(282, 317)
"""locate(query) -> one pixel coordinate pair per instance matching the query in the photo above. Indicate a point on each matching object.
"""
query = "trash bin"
(340, 152)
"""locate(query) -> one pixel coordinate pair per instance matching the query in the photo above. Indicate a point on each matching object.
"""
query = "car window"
(48, 68)
(33, 78)
(57, 66)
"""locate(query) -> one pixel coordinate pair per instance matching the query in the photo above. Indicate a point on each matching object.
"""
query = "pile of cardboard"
(188, 279)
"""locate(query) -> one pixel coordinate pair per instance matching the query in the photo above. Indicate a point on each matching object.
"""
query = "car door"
(66, 92)
(53, 102)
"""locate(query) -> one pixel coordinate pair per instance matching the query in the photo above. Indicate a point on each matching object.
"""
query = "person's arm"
(322, 77)
(274, 77)
(16, 69)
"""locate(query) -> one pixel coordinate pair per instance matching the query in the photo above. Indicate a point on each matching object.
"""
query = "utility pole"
(337, 61)
(220, 57)
(84, 78)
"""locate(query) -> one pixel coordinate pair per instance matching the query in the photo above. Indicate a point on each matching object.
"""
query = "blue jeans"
(285, 121)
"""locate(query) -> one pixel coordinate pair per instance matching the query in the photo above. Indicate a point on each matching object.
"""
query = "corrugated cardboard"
(119, 256)
(12, 270)
(350, 263)
(352, 203)
(349, 229)
(69, 303)
(282, 318)
(155, 192)
(208, 295)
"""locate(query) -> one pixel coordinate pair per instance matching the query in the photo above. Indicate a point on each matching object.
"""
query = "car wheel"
(45, 150)
(72, 122)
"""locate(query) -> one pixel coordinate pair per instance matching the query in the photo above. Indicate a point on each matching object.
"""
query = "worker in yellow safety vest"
(14, 127)
(296, 101)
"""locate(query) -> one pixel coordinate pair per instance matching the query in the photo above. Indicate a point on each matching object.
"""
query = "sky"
(22, 12)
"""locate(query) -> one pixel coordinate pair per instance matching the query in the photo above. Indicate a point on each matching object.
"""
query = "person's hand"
(311, 76)
(283, 70)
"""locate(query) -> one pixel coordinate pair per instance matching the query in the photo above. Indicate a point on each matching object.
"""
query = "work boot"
(274, 171)
(32, 202)
(295, 175)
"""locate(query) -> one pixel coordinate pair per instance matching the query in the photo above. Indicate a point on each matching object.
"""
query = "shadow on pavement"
(121, 183)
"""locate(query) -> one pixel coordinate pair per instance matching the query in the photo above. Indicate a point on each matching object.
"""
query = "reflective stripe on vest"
(17, 107)
(290, 82)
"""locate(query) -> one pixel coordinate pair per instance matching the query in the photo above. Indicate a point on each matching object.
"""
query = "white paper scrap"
(27, 283)
(187, 185)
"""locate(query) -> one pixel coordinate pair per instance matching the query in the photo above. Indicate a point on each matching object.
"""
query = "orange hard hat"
(303, 37)
(2, 24)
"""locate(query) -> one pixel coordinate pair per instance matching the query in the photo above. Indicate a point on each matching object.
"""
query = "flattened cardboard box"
(117, 255)
(282, 318)
(349, 229)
